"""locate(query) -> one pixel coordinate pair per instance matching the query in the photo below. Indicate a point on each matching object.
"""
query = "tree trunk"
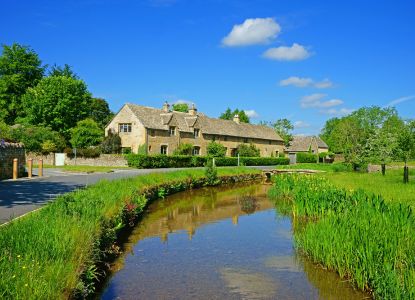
(405, 174)
(383, 169)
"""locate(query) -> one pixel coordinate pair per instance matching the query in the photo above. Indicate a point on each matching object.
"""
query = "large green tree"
(20, 69)
(59, 102)
(406, 146)
(100, 111)
(182, 107)
(66, 71)
(284, 127)
(229, 115)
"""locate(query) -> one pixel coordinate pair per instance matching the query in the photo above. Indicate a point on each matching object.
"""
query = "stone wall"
(8, 152)
(47, 159)
(106, 160)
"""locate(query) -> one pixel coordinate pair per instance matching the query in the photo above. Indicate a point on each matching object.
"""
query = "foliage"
(111, 143)
(20, 69)
(248, 150)
(181, 161)
(100, 112)
(59, 102)
(184, 149)
(215, 149)
(211, 173)
(284, 127)
(359, 235)
(34, 137)
(87, 133)
(48, 147)
(380, 147)
(306, 158)
(46, 254)
(5, 132)
(142, 149)
(182, 107)
(406, 142)
(91, 152)
(229, 115)
(65, 71)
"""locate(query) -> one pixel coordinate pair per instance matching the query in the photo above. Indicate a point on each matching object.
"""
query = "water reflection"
(218, 243)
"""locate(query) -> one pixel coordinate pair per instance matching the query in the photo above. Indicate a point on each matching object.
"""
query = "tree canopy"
(20, 69)
(87, 133)
(284, 127)
(182, 107)
(229, 114)
(100, 111)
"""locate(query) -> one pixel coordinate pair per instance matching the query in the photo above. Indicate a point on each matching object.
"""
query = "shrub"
(216, 150)
(111, 143)
(48, 147)
(180, 161)
(248, 150)
(34, 136)
(211, 173)
(306, 157)
(91, 152)
(87, 133)
(184, 149)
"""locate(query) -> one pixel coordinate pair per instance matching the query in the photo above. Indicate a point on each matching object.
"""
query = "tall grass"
(55, 251)
(363, 238)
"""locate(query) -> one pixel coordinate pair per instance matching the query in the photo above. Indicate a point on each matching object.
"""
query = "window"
(163, 149)
(172, 131)
(270, 142)
(196, 133)
(277, 153)
(225, 138)
(125, 127)
(196, 151)
(246, 140)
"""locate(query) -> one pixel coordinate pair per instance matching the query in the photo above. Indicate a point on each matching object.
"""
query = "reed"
(366, 240)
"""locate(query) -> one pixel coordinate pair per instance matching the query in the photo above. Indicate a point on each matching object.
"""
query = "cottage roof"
(154, 118)
(303, 143)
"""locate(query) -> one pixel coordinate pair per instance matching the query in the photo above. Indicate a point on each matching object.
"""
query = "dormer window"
(172, 131)
(196, 133)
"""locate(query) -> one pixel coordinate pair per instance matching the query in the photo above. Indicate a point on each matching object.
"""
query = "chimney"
(193, 110)
(166, 107)
(236, 118)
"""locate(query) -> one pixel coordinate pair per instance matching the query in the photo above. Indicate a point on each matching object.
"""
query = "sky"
(304, 60)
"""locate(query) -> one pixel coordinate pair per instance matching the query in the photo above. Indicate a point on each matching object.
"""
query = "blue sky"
(304, 60)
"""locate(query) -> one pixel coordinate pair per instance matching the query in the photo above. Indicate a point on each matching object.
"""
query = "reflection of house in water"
(190, 210)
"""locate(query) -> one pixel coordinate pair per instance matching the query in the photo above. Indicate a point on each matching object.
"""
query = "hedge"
(181, 161)
(306, 158)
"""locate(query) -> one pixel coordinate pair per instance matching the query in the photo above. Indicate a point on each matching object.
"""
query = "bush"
(184, 149)
(33, 137)
(92, 152)
(248, 150)
(111, 143)
(306, 158)
(165, 161)
(216, 150)
(48, 147)
(211, 173)
(87, 133)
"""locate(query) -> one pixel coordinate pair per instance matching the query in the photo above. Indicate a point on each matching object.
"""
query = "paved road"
(24, 195)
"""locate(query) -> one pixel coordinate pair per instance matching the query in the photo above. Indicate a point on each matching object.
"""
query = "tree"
(184, 149)
(381, 147)
(59, 102)
(245, 150)
(229, 115)
(406, 146)
(215, 149)
(327, 135)
(5, 132)
(100, 111)
(182, 107)
(20, 69)
(87, 133)
(111, 143)
(65, 71)
(283, 127)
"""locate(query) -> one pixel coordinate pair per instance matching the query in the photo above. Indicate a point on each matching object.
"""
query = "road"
(18, 197)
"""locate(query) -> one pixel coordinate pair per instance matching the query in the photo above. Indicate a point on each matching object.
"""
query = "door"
(293, 158)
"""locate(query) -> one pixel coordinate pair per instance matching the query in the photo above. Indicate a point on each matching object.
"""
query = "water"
(218, 243)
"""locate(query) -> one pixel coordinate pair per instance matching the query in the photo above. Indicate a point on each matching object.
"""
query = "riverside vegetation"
(356, 233)
(60, 251)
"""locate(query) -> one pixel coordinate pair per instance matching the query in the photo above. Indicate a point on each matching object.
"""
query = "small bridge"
(269, 173)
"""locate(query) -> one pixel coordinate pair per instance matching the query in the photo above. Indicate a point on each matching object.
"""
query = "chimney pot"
(236, 118)
(166, 107)
(193, 110)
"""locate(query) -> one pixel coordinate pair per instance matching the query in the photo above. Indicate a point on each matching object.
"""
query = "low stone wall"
(47, 159)
(106, 160)
(8, 152)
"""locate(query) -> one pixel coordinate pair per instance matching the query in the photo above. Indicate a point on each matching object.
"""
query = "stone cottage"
(161, 131)
(313, 144)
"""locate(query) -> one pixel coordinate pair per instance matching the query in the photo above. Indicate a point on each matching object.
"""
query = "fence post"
(238, 159)
(15, 172)
(40, 173)
(29, 167)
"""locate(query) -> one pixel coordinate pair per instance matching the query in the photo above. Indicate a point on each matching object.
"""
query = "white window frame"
(196, 133)
(172, 131)
(124, 127)
(197, 148)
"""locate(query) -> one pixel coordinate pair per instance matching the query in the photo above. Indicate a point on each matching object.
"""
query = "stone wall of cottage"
(8, 152)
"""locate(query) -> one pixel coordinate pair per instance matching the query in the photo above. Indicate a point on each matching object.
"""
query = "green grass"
(53, 252)
(365, 239)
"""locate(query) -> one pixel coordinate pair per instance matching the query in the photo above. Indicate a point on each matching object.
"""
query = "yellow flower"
(18, 256)
(26, 284)
(24, 267)
(14, 276)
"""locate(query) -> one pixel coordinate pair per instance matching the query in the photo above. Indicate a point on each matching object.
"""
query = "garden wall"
(8, 152)
(107, 160)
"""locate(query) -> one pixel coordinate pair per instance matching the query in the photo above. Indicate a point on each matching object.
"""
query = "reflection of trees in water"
(248, 204)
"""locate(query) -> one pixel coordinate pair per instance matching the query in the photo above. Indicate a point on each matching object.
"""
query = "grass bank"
(57, 252)
(366, 240)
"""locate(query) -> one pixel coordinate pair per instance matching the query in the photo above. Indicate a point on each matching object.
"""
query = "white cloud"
(295, 52)
(314, 101)
(301, 124)
(296, 81)
(337, 112)
(400, 100)
(306, 82)
(251, 113)
(252, 32)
